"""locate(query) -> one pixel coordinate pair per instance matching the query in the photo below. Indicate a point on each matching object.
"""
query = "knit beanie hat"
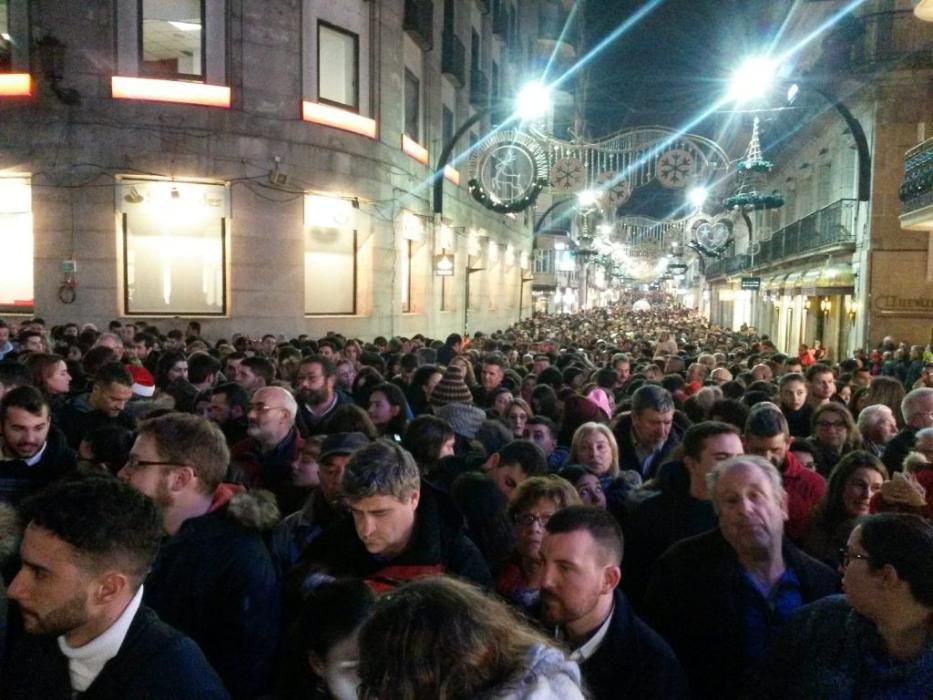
(451, 389)
(463, 418)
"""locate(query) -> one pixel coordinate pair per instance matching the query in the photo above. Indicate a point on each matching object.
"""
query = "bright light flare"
(697, 196)
(588, 198)
(753, 79)
(533, 101)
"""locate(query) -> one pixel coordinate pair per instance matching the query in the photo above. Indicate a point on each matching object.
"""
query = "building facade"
(263, 165)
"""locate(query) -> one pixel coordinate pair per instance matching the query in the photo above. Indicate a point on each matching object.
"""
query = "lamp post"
(532, 102)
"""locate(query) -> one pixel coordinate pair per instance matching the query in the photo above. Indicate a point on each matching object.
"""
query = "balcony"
(453, 58)
(916, 192)
(887, 40)
(418, 22)
(832, 226)
(555, 28)
(728, 266)
(479, 89)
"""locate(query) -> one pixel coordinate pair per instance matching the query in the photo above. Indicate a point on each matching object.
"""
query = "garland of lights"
(478, 192)
(755, 166)
(709, 252)
(754, 200)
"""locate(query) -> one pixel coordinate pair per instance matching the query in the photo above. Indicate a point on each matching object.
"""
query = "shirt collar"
(584, 652)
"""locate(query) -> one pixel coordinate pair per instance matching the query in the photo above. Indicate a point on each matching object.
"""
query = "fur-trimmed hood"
(256, 510)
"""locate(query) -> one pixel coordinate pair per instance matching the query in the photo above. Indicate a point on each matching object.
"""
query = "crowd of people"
(607, 504)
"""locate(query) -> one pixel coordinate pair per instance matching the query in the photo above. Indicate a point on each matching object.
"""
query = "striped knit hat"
(451, 389)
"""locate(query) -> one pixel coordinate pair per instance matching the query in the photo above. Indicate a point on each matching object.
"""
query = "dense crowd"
(607, 504)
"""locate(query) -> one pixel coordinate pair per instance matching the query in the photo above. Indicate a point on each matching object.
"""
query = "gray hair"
(910, 402)
(726, 466)
(653, 397)
(923, 434)
(870, 416)
(382, 468)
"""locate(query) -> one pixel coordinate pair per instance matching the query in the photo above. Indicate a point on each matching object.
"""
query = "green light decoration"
(478, 192)
(752, 169)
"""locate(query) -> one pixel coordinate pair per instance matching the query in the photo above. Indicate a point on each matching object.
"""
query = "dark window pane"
(447, 125)
(474, 51)
(412, 106)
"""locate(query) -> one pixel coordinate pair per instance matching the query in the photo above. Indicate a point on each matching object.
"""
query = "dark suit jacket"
(155, 662)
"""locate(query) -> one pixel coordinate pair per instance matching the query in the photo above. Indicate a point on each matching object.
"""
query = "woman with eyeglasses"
(533, 503)
(833, 434)
(853, 482)
(877, 640)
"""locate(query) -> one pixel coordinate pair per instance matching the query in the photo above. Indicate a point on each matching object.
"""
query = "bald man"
(264, 458)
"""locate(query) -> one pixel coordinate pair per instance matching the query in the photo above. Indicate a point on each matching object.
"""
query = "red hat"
(143, 383)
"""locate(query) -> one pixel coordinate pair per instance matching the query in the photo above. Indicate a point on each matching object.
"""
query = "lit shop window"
(172, 45)
(16, 262)
(174, 247)
(15, 80)
(330, 256)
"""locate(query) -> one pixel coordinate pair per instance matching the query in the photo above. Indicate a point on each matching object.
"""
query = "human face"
(805, 458)
(517, 418)
(831, 430)
(716, 449)
(924, 446)
(58, 381)
(491, 376)
(576, 576)
(313, 387)
(327, 352)
(860, 583)
(528, 537)
(141, 351)
(541, 436)
(345, 376)
(25, 433)
(381, 412)
(178, 371)
(652, 427)
(540, 365)
(110, 399)
(794, 395)
(595, 453)
(219, 409)
(384, 523)
(823, 386)
(268, 345)
(751, 514)
(52, 591)
(885, 428)
(268, 420)
(508, 477)
(147, 472)
(305, 468)
(623, 370)
(340, 669)
(34, 344)
(591, 491)
(922, 415)
(861, 485)
(230, 368)
(502, 402)
(331, 476)
(845, 393)
(248, 379)
(773, 449)
(432, 382)
(447, 448)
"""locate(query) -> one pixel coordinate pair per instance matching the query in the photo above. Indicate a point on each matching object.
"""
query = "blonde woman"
(595, 448)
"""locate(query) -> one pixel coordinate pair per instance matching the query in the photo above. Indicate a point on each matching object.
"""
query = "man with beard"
(318, 397)
(86, 550)
(105, 406)
(720, 597)
(618, 654)
(228, 408)
(214, 579)
(34, 452)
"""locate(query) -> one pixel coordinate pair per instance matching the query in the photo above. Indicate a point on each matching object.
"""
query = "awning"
(833, 279)
(774, 282)
(793, 282)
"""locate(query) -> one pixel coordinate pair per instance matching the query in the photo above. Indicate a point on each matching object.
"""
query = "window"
(172, 39)
(412, 106)
(450, 16)
(174, 247)
(330, 256)
(16, 263)
(405, 274)
(474, 52)
(338, 67)
(495, 81)
(6, 45)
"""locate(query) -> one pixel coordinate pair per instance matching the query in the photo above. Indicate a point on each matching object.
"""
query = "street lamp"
(756, 76)
(532, 102)
(697, 197)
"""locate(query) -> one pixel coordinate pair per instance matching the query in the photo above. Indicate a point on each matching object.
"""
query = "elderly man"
(214, 579)
(619, 655)
(87, 547)
(917, 408)
(264, 458)
(720, 597)
(721, 375)
(877, 426)
(647, 435)
(876, 642)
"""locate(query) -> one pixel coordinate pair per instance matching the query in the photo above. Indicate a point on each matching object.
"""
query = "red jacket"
(805, 488)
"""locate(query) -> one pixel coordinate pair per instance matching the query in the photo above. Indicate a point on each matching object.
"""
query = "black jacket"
(628, 459)
(308, 424)
(155, 662)
(633, 661)
(215, 581)
(18, 480)
(897, 449)
(692, 601)
(79, 419)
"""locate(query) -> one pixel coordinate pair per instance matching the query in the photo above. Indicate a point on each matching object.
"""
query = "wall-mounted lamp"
(52, 59)
(826, 306)
(806, 304)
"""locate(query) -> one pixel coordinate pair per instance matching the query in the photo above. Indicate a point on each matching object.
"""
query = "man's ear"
(180, 478)
(491, 463)
(110, 586)
(316, 663)
(612, 574)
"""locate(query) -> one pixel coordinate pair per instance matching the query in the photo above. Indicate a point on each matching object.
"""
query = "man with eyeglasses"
(720, 597)
(917, 408)
(214, 579)
(264, 458)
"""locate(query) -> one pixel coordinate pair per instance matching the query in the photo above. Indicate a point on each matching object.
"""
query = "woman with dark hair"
(888, 391)
(429, 439)
(442, 638)
(366, 379)
(350, 418)
(388, 410)
(484, 510)
(877, 641)
(423, 381)
(853, 482)
(499, 401)
(173, 365)
(833, 435)
(587, 485)
(544, 402)
(105, 449)
(49, 374)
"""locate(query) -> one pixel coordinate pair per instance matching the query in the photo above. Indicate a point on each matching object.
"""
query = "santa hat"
(143, 383)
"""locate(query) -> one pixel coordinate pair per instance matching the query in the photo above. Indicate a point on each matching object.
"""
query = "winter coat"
(805, 489)
(548, 675)
(897, 449)
(628, 459)
(270, 469)
(17, 480)
(214, 580)
(155, 662)
(78, 419)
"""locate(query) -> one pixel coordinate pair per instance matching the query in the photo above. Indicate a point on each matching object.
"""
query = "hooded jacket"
(548, 675)
(214, 580)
